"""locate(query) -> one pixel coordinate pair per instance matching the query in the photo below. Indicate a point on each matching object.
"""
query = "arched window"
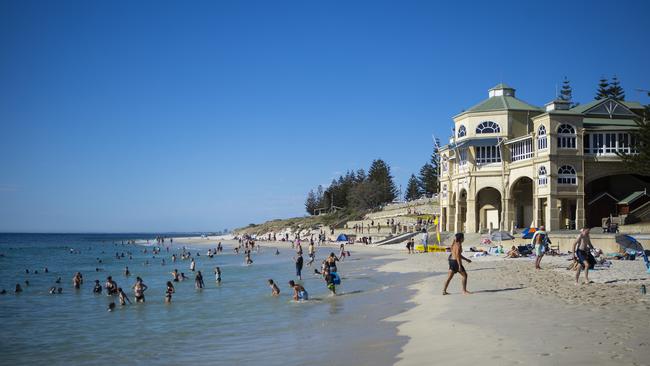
(566, 175)
(542, 177)
(445, 164)
(566, 137)
(444, 191)
(488, 127)
(542, 143)
(462, 131)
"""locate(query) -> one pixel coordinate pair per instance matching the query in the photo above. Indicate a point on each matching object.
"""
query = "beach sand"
(515, 315)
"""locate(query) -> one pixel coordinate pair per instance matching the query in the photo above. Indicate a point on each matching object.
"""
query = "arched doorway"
(602, 195)
(521, 202)
(488, 209)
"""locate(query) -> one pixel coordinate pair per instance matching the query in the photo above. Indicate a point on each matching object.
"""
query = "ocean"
(236, 322)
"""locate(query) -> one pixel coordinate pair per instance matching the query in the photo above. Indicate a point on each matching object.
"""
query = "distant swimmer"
(111, 306)
(277, 251)
(127, 273)
(138, 289)
(275, 290)
(76, 280)
(19, 289)
(58, 280)
(122, 297)
(169, 291)
(97, 289)
(198, 280)
(217, 275)
(111, 286)
(299, 263)
(299, 292)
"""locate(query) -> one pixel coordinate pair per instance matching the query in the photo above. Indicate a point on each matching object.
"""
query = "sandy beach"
(516, 315)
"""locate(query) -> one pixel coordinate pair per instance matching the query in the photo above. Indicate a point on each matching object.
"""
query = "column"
(552, 214)
(470, 219)
(580, 213)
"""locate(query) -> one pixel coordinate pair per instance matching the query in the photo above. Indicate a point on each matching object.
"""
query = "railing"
(488, 154)
(610, 143)
(521, 150)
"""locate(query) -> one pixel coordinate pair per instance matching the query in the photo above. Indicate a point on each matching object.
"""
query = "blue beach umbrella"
(342, 237)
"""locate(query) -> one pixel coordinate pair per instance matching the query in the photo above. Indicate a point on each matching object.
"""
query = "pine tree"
(379, 174)
(311, 203)
(615, 90)
(640, 163)
(413, 191)
(428, 180)
(566, 94)
(603, 89)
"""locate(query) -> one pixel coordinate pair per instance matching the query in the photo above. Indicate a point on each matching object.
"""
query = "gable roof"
(585, 108)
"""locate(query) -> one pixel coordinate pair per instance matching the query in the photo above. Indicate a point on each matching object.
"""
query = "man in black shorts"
(456, 264)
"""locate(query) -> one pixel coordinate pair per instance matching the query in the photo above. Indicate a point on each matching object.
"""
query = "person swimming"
(198, 280)
(299, 292)
(127, 273)
(139, 288)
(275, 290)
(175, 275)
(111, 306)
(19, 288)
(97, 289)
(169, 291)
(122, 297)
(217, 275)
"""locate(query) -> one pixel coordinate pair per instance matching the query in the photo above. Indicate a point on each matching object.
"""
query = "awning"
(486, 141)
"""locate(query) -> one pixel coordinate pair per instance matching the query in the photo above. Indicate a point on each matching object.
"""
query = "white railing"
(610, 143)
(521, 150)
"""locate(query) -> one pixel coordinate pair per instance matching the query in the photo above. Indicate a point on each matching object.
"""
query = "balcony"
(610, 143)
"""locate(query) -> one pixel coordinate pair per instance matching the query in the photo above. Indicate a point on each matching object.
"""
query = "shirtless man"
(582, 252)
(299, 292)
(456, 263)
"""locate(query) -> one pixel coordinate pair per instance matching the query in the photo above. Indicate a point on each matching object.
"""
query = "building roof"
(502, 103)
(581, 108)
(600, 122)
(501, 86)
(631, 198)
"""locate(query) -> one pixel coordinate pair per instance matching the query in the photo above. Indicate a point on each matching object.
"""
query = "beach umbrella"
(528, 233)
(342, 237)
(501, 235)
(627, 242)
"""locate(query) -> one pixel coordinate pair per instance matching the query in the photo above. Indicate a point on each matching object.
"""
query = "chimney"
(558, 105)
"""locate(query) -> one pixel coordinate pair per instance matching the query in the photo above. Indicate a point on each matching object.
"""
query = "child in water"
(217, 275)
(299, 292)
(122, 296)
(98, 287)
(275, 290)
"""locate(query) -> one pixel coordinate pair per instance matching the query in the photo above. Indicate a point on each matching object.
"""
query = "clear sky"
(190, 116)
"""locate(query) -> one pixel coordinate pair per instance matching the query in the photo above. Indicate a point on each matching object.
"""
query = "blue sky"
(190, 116)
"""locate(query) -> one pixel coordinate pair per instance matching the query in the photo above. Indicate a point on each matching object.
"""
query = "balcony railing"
(521, 150)
(610, 143)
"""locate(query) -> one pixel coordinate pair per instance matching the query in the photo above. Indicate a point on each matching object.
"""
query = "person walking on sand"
(456, 263)
(582, 251)
(540, 241)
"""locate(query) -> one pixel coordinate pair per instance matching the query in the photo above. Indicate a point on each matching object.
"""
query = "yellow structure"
(511, 164)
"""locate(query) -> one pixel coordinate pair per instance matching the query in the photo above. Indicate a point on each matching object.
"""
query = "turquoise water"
(237, 322)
